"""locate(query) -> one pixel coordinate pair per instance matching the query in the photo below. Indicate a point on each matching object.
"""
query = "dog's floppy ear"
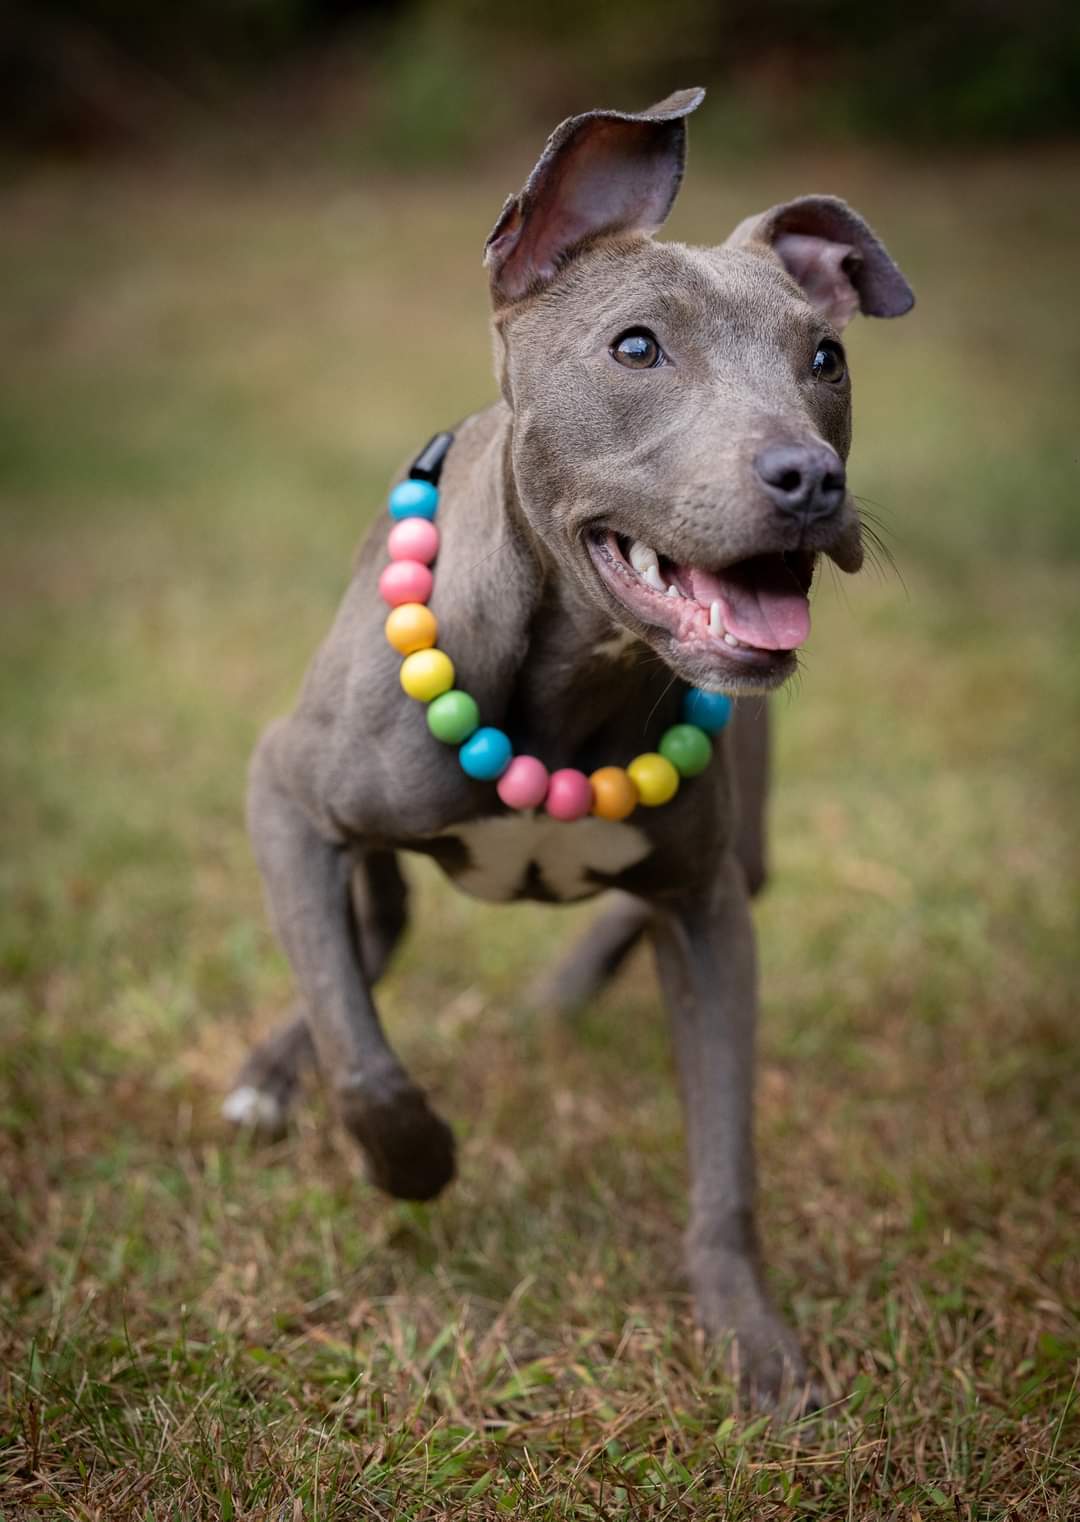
(602, 172)
(834, 256)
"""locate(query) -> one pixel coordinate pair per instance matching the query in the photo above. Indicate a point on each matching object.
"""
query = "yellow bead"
(655, 778)
(426, 674)
(614, 794)
(411, 627)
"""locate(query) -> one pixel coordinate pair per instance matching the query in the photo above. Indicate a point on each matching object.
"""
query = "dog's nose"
(805, 480)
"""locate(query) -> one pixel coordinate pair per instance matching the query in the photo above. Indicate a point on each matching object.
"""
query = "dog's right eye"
(829, 364)
(638, 349)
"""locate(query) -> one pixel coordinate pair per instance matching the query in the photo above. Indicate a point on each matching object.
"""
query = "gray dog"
(642, 510)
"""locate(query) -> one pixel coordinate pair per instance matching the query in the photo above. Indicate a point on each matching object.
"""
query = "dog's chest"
(533, 856)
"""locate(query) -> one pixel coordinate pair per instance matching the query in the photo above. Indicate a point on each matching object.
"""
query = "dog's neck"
(544, 658)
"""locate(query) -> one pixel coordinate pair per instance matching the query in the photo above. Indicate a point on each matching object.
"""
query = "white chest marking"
(501, 849)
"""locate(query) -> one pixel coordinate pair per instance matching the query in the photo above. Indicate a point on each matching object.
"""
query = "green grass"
(207, 381)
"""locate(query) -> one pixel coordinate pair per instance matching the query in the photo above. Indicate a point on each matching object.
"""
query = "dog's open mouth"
(758, 609)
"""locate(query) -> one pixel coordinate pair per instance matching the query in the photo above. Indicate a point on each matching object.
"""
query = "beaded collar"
(486, 753)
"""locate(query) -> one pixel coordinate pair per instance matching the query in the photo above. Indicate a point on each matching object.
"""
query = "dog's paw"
(761, 1351)
(409, 1149)
(257, 1112)
(768, 1367)
(771, 1371)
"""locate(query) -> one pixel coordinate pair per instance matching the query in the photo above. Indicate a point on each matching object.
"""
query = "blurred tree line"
(425, 80)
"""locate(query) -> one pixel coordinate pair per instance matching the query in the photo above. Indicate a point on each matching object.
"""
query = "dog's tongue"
(762, 602)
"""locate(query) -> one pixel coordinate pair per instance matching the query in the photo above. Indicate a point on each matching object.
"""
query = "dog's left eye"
(638, 349)
(829, 362)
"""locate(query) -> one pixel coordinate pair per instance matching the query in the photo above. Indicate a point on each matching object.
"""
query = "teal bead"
(453, 717)
(687, 747)
(486, 755)
(414, 499)
(710, 711)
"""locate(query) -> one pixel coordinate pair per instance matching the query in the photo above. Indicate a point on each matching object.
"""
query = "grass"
(208, 379)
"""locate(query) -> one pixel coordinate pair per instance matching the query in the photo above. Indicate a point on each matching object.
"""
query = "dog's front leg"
(409, 1149)
(706, 960)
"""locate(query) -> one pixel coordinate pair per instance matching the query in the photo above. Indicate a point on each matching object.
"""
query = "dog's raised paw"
(410, 1150)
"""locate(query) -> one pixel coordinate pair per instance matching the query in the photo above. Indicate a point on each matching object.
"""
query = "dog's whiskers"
(878, 551)
(838, 585)
(667, 688)
(490, 555)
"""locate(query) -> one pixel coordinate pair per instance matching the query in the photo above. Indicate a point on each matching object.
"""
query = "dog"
(663, 470)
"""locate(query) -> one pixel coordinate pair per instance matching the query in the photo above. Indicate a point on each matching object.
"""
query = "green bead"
(687, 747)
(453, 717)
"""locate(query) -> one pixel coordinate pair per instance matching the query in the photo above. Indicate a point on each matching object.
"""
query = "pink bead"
(414, 539)
(405, 581)
(569, 794)
(524, 783)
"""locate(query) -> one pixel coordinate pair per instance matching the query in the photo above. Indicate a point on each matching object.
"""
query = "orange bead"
(614, 794)
(411, 627)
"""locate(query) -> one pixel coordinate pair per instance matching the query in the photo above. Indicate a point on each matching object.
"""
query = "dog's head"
(682, 415)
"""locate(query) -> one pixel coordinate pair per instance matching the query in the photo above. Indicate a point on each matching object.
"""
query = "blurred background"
(240, 281)
(420, 83)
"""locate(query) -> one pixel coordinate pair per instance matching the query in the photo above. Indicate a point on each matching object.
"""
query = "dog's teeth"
(716, 621)
(642, 556)
(729, 639)
(646, 563)
(673, 590)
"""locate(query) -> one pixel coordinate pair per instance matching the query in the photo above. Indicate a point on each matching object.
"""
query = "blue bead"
(414, 499)
(710, 711)
(486, 754)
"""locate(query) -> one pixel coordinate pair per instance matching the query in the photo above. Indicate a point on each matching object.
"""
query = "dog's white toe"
(247, 1106)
